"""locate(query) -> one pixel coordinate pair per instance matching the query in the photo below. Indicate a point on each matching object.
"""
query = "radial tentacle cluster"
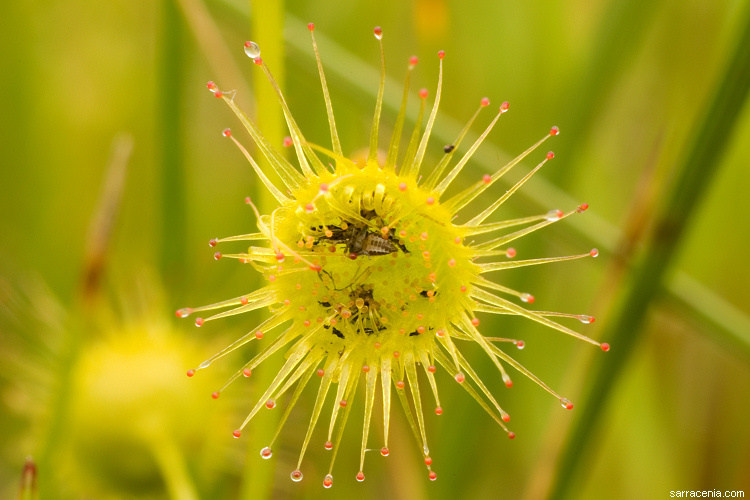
(368, 276)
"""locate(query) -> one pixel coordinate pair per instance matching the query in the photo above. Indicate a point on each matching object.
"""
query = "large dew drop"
(554, 215)
(252, 50)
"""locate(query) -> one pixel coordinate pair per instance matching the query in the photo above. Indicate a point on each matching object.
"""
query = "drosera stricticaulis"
(368, 276)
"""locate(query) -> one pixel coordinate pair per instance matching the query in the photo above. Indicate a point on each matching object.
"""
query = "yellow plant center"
(384, 255)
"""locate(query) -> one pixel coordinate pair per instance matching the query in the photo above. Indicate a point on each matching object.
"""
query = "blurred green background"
(651, 100)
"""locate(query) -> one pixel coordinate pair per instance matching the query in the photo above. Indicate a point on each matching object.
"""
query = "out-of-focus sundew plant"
(100, 245)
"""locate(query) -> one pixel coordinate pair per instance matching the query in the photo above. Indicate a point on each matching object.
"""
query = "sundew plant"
(375, 273)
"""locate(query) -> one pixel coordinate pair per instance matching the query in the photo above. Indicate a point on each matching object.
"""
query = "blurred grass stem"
(27, 489)
(173, 468)
(267, 29)
(170, 120)
(105, 216)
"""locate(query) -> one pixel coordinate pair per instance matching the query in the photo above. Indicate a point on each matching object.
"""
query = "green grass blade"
(695, 170)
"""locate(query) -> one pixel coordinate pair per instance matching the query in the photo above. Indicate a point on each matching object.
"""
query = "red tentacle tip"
(432, 475)
(505, 417)
(520, 344)
(328, 445)
(378, 31)
(413, 60)
(504, 107)
(212, 86)
(460, 378)
(509, 383)
(427, 461)
(311, 26)
(566, 404)
(271, 404)
(360, 476)
(594, 252)
(320, 372)
(258, 61)
(244, 301)
(287, 142)
(475, 321)
(550, 155)
(511, 435)
(248, 201)
(510, 253)
(296, 475)
(582, 207)
(423, 93)
(237, 433)
(198, 321)
(328, 481)
(217, 255)
(309, 208)
(605, 347)
(487, 178)
(226, 132)
(247, 372)
(438, 411)
(400, 384)
(441, 54)
(366, 369)
(212, 242)
(484, 102)
(342, 403)
(554, 131)
(218, 94)
(190, 372)
(316, 267)
(215, 394)
(402, 187)
(384, 451)
(323, 187)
